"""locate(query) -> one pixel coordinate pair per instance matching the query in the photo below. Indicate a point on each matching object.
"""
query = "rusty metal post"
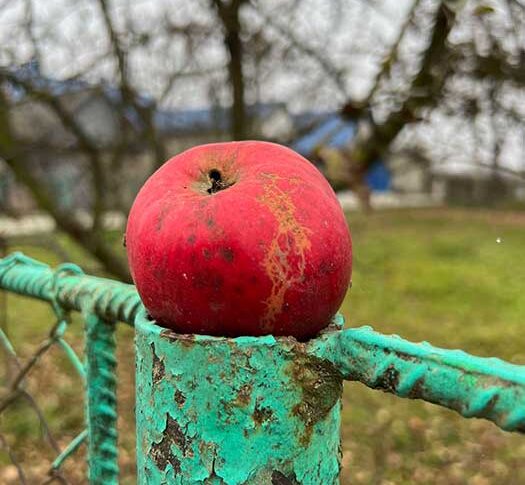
(257, 410)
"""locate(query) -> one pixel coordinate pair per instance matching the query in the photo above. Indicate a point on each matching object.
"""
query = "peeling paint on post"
(249, 410)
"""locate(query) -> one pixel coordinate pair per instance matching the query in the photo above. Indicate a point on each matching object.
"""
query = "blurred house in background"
(325, 135)
(411, 172)
(112, 125)
(475, 185)
(52, 147)
(322, 137)
(57, 154)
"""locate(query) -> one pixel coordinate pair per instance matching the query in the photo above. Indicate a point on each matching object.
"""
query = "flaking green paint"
(234, 411)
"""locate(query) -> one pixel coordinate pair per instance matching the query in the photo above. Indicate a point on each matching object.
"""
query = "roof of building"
(206, 120)
(328, 129)
(475, 171)
(31, 73)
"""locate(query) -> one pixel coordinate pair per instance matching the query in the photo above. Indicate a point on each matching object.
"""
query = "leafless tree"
(446, 57)
(103, 165)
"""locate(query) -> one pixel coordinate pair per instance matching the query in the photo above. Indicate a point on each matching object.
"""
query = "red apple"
(241, 238)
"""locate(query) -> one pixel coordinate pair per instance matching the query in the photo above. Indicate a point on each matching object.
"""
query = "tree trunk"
(229, 16)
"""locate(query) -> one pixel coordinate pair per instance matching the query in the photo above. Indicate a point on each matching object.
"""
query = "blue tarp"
(378, 177)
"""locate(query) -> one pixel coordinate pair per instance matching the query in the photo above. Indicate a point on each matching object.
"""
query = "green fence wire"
(475, 387)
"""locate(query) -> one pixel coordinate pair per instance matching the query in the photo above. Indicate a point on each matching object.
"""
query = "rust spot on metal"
(417, 390)
(402, 355)
(159, 370)
(161, 452)
(279, 478)
(389, 380)
(261, 415)
(187, 340)
(179, 398)
(178, 437)
(192, 385)
(322, 386)
(162, 456)
(489, 407)
(243, 395)
(169, 334)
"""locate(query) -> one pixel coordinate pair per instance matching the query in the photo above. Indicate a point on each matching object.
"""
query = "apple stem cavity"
(216, 181)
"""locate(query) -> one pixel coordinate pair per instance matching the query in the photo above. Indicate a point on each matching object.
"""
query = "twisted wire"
(17, 390)
(475, 387)
(101, 400)
(69, 288)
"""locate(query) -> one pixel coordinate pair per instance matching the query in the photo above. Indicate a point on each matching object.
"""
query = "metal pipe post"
(257, 410)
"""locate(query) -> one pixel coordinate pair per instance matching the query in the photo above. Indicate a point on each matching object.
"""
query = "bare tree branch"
(424, 92)
(69, 122)
(392, 57)
(128, 93)
(334, 73)
(92, 241)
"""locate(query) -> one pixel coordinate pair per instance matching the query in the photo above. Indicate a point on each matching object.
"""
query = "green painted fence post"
(248, 410)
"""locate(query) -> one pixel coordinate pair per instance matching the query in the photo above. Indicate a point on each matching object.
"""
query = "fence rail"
(486, 388)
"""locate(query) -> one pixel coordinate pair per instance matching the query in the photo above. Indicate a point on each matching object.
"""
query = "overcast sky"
(72, 37)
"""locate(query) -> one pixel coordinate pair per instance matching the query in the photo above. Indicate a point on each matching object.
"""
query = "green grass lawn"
(436, 275)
